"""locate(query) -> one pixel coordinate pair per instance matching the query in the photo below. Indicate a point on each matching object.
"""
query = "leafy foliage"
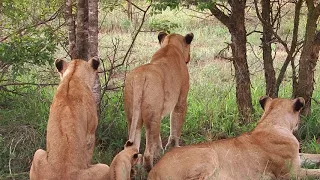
(36, 48)
(163, 25)
(160, 5)
(28, 33)
(110, 5)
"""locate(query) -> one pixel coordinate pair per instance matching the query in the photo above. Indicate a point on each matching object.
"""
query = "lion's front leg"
(39, 163)
(313, 158)
(302, 173)
(306, 173)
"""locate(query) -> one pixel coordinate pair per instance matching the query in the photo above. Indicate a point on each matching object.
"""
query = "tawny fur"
(71, 128)
(270, 151)
(156, 89)
(123, 164)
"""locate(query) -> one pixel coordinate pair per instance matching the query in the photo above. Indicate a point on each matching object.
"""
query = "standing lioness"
(71, 127)
(270, 151)
(154, 90)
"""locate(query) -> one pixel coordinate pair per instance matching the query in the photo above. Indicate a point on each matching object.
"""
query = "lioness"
(122, 165)
(270, 151)
(71, 127)
(156, 89)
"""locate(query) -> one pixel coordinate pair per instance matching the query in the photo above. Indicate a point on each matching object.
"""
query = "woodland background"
(242, 50)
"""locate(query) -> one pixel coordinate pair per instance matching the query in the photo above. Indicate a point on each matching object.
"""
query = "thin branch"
(12, 151)
(224, 7)
(200, 12)
(137, 6)
(253, 51)
(24, 84)
(194, 16)
(222, 52)
(223, 18)
(51, 18)
(254, 31)
(316, 101)
(136, 35)
(270, 28)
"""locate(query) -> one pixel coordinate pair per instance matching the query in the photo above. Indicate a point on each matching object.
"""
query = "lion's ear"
(61, 66)
(94, 62)
(161, 36)
(298, 104)
(188, 38)
(135, 156)
(263, 101)
(128, 144)
(136, 159)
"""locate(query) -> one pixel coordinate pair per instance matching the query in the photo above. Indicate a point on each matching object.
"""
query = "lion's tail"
(137, 85)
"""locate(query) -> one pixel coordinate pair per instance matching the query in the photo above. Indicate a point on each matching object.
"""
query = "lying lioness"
(154, 90)
(270, 151)
(123, 163)
(71, 127)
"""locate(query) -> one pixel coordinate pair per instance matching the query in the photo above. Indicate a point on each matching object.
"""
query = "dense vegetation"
(27, 86)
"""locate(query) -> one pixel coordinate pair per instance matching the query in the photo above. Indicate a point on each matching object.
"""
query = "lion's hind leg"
(96, 172)
(177, 119)
(39, 163)
(152, 124)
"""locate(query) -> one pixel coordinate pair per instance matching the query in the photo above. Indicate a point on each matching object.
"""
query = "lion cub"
(71, 127)
(156, 89)
(122, 165)
(270, 151)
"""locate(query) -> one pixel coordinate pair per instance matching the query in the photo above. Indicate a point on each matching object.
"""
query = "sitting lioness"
(71, 127)
(270, 151)
(122, 165)
(156, 89)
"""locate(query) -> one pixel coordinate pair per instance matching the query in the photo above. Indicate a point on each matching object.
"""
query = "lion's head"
(288, 110)
(182, 42)
(84, 70)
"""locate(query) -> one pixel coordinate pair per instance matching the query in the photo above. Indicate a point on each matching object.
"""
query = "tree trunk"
(242, 75)
(294, 43)
(93, 28)
(93, 44)
(238, 46)
(69, 17)
(86, 41)
(82, 30)
(269, 71)
(236, 25)
(308, 59)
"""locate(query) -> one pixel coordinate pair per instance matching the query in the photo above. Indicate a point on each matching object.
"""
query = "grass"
(212, 111)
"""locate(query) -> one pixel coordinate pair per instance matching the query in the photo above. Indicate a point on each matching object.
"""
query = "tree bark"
(93, 28)
(93, 44)
(82, 30)
(269, 72)
(69, 17)
(236, 25)
(238, 46)
(309, 57)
